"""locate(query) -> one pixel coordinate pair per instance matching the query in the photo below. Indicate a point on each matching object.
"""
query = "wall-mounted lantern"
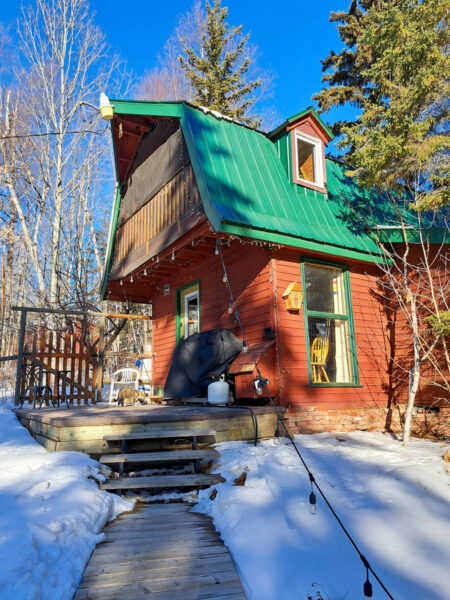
(293, 296)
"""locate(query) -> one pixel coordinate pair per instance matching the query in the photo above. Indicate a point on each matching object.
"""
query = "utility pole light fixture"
(106, 108)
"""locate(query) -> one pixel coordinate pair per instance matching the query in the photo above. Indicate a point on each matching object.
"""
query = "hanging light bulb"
(173, 255)
(157, 259)
(145, 272)
(368, 592)
(312, 496)
(230, 308)
(244, 346)
(216, 250)
(121, 282)
(224, 279)
(131, 279)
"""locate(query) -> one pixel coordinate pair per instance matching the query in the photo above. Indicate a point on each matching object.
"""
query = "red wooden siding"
(370, 342)
(249, 274)
(432, 390)
(258, 280)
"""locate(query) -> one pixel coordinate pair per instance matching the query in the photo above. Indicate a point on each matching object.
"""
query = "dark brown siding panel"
(153, 167)
(162, 211)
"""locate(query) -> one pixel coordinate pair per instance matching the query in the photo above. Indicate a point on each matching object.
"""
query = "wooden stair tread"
(160, 434)
(155, 457)
(162, 481)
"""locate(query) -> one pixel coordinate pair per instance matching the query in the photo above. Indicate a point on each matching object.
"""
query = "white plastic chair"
(128, 378)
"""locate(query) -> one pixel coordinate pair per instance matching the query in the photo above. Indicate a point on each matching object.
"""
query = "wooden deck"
(164, 552)
(83, 428)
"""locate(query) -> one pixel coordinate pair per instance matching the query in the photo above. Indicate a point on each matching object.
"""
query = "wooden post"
(101, 346)
(23, 322)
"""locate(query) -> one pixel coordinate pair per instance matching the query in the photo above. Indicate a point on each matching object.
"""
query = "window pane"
(305, 161)
(329, 349)
(192, 315)
(324, 289)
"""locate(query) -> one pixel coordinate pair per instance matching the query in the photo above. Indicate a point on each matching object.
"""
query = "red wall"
(248, 269)
(256, 280)
(369, 325)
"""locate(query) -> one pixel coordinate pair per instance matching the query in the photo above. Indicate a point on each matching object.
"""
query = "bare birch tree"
(414, 287)
(55, 180)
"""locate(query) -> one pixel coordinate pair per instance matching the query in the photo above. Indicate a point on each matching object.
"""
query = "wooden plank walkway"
(161, 552)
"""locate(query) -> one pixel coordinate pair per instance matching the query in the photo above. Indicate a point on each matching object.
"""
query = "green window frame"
(347, 317)
(182, 293)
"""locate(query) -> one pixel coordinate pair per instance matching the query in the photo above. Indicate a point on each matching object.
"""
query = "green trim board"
(111, 239)
(414, 236)
(276, 238)
(195, 285)
(347, 317)
(334, 385)
(169, 109)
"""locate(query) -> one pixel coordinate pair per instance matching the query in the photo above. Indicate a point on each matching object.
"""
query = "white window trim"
(318, 159)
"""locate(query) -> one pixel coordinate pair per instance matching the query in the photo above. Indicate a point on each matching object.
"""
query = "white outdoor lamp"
(106, 108)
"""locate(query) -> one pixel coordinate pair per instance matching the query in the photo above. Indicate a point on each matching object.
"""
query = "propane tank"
(219, 392)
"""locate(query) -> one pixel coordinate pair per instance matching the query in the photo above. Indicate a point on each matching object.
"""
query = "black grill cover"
(199, 360)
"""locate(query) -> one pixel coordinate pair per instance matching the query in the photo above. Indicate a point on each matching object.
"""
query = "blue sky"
(292, 37)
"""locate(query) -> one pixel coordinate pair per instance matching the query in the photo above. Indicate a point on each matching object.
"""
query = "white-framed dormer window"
(308, 159)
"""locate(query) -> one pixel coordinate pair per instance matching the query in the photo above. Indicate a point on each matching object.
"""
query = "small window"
(308, 155)
(329, 326)
(188, 311)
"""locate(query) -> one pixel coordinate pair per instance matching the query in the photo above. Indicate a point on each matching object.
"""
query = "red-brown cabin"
(302, 273)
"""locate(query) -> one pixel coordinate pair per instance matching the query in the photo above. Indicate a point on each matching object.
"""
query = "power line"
(367, 585)
(30, 135)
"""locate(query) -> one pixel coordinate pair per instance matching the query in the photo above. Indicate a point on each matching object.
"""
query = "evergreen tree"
(219, 74)
(394, 67)
(343, 73)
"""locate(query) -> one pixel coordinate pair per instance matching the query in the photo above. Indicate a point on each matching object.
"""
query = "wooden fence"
(47, 355)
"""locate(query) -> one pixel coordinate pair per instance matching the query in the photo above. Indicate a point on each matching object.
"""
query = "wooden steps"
(157, 434)
(160, 457)
(148, 459)
(160, 482)
(161, 551)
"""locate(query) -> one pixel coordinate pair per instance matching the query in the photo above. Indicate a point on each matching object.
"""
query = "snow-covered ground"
(51, 515)
(393, 499)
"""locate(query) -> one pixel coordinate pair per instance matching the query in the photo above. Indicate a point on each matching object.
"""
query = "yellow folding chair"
(319, 353)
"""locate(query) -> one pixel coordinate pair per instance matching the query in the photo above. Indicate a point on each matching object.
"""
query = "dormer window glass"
(308, 159)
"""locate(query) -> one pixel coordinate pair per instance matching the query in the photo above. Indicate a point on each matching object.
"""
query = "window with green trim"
(188, 310)
(329, 325)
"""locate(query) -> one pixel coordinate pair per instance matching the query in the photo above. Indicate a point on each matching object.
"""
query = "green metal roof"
(243, 183)
(246, 190)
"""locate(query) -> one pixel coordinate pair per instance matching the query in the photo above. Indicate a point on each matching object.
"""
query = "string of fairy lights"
(174, 258)
(367, 586)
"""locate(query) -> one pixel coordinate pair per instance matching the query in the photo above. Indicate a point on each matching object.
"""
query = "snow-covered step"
(162, 482)
(158, 457)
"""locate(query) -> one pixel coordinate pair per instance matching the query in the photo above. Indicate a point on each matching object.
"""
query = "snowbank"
(394, 500)
(51, 513)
